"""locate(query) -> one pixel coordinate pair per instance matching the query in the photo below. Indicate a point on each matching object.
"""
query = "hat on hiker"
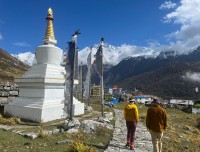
(131, 100)
(156, 101)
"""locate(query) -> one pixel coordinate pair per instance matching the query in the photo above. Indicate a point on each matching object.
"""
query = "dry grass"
(182, 134)
(78, 146)
(12, 142)
(10, 120)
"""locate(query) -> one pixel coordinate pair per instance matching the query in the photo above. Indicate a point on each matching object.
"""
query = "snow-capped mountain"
(168, 75)
(144, 68)
(27, 58)
(114, 54)
(167, 54)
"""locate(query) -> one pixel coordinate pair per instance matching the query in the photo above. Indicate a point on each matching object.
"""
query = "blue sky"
(145, 23)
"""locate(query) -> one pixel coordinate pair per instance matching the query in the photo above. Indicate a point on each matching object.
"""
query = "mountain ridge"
(10, 67)
(147, 72)
(159, 76)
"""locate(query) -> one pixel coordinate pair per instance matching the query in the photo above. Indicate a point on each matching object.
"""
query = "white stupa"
(41, 96)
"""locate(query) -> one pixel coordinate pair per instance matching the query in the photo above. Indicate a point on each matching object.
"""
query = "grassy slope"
(182, 134)
(10, 67)
(11, 142)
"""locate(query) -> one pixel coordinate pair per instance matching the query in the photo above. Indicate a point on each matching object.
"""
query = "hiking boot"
(131, 146)
(127, 145)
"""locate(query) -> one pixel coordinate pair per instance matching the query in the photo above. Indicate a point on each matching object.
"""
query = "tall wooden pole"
(72, 86)
(81, 81)
(90, 79)
(102, 86)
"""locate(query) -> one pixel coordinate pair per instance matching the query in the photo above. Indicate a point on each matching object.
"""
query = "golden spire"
(50, 12)
(49, 36)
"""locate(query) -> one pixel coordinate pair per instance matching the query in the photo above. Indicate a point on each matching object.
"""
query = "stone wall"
(8, 91)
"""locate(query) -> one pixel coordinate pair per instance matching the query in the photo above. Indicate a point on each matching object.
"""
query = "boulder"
(74, 123)
(89, 126)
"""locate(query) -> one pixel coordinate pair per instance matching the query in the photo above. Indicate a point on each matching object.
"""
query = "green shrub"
(78, 146)
(1, 117)
(42, 133)
(197, 105)
(198, 123)
(17, 120)
(9, 121)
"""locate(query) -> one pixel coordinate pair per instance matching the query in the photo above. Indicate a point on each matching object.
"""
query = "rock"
(7, 88)
(100, 145)
(3, 100)
(4, 94)
(102, 119)
(55, 131)
(64, 141)
(5, 127)
(13, 93)
(109, 115)
(14, 88)
(31, 135)
(1, 88)
(88, 108)
(71, 131)
(89, 126)
(72, 124)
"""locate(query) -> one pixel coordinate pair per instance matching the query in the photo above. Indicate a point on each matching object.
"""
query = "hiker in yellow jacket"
(131, 117)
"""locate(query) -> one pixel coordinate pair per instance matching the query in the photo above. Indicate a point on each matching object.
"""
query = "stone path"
(143, 138)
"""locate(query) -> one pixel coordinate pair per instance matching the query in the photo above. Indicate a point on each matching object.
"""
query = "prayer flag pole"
(99, 67)
(73, 64)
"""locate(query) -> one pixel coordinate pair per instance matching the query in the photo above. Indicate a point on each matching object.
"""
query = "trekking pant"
(131, 128)
(156, 138)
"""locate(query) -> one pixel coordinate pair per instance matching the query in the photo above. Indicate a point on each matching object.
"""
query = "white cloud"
(187, 16)
(192, 76)
(186, 13)
(1, 36)
(114, 54)
(23, 44)
(167, 5)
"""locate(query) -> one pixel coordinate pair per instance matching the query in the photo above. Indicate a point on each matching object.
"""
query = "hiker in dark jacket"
(156, 122)
(131, 117)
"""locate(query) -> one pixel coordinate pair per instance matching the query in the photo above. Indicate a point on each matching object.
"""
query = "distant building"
(123, 92)
(181, 102)
(195, 110)
(107, 97)
(108, 93)
(108, 90)
(116, 90)
(143, 98)
(95, 91)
